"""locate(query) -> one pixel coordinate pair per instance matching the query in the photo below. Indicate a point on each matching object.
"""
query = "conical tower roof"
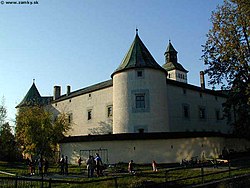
(138, 56)
(170, 48)
(31, 98)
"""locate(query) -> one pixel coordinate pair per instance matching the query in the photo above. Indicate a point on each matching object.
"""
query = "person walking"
(98, 163)
(90, 162)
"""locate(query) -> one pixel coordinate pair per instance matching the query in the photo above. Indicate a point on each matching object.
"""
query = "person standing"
(46, 166)
(131, 167)
(90, 162)
(98, 163)
(154, 166)
(62, 165)
(79, 161)
(66, 165)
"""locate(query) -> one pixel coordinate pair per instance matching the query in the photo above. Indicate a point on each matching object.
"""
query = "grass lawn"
(144, 175)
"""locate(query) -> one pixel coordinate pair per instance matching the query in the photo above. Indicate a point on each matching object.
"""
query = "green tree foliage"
(3, 113)
(8, 146)
(227, 55)
(36, 131)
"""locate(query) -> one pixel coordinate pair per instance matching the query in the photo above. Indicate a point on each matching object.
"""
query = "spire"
(138, 56)
(171, 61)
(31, 98)
(170, 54)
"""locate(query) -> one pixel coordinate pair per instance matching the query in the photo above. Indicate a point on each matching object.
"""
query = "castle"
(146, 111)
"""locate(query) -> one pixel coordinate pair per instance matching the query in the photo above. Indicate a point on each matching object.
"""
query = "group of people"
(131, 167)
(64, 165)
(93, 164)
(42, 164)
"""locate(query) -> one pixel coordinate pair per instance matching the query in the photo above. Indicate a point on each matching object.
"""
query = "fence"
(48, 183)
(201, 176)
(187, 176)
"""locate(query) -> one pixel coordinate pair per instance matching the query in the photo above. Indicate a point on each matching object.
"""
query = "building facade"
(141, 97)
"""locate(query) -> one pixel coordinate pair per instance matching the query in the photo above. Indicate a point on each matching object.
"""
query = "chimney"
(202, 80)
(68, 90)
(57, 92)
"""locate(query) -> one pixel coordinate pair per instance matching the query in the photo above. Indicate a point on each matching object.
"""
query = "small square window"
(89, 114)
(139, 73)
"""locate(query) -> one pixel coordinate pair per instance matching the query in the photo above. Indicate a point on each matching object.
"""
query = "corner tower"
(139, 93)
(175, 70)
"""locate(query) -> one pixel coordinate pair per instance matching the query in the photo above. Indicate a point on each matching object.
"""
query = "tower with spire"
(139, 92)
(175, 70)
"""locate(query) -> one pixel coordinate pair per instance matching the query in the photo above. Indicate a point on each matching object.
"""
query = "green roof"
(138, 56)
(171, 66)
(33, 97)
(171, 60)
(170, 48)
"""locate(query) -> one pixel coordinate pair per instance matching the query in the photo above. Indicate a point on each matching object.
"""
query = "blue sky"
(81, 42)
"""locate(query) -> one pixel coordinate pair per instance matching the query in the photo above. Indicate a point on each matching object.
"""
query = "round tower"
(139, 93)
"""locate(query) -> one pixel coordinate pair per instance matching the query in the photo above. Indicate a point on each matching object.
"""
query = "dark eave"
(141, 136)
(196, 88)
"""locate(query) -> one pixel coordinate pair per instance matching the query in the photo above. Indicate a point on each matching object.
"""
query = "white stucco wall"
(126, 85)
(194, 99)
(174, 75)
(96, 101)
(163, 150)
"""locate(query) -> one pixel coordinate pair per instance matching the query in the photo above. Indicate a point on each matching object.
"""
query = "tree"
(8, 147)
(3, 114)
(227, 55)
(36, 131)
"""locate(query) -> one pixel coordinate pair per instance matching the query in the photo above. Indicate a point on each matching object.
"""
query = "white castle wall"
(163, 150)
(78, 107)
(177, 97)
(126, 118)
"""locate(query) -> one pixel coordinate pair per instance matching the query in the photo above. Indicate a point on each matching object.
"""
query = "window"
(202, 112)
(110, 111)
(186, 111)
(70, 118)
(89, 114)
(217, 114)
(140, 73)
(140, 101)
